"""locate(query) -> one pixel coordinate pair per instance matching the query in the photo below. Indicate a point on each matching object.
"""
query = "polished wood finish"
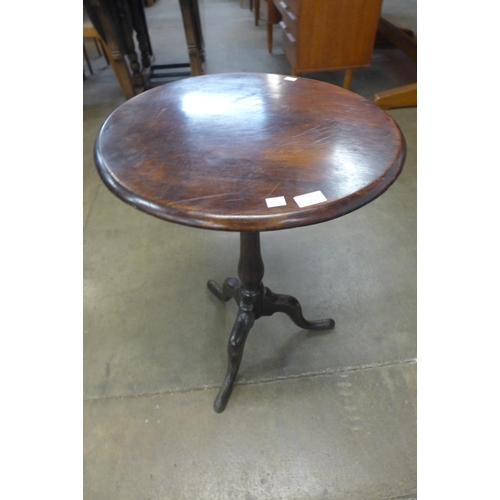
(208, 151)
(254, 300)
(325, 35)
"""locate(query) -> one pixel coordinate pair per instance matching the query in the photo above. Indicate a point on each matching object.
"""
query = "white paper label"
(290, 78)
(279, 201)
(304, 200)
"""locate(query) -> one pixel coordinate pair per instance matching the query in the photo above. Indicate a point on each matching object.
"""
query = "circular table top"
(208, 151)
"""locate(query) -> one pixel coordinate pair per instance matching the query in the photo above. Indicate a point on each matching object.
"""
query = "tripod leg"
(273, 302)
(230, 289)
(242, 325)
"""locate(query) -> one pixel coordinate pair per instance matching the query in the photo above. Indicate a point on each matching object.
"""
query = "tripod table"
(249, 152)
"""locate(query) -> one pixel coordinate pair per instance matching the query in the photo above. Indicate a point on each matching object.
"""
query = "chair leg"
(105, 55)
(97, 47)
(122, 73)
(87, 59)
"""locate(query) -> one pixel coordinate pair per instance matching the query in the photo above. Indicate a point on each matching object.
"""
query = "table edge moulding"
(249, 152)
(217, 217)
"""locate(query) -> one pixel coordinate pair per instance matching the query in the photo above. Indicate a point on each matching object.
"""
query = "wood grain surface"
(208, 151)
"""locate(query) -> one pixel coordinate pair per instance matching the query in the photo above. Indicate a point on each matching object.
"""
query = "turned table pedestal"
(249, 153)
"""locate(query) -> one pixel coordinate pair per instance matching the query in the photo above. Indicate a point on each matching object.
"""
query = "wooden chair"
(121, 69)
(99, 50)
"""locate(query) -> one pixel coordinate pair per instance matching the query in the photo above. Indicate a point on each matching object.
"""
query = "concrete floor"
(314, 415)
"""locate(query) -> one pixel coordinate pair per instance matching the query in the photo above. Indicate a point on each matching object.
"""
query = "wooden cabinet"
(325, 35)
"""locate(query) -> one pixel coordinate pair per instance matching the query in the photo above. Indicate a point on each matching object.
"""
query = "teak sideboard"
(325, 35)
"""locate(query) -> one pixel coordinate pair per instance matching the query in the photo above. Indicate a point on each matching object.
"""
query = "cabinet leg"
(347, 78)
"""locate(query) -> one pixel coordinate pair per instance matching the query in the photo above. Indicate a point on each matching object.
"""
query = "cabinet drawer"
(294, 6)
(289, 18)
(289, 45)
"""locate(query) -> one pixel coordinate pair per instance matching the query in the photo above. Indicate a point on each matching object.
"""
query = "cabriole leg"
(244, 321)
(254, 300)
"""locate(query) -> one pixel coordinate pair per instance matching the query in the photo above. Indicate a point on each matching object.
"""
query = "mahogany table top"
(208, 151)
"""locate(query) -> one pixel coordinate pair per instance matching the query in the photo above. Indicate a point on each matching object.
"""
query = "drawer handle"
(287, 33)
(285, 7)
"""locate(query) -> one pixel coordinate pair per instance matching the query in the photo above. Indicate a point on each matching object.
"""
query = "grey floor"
(314, 415)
